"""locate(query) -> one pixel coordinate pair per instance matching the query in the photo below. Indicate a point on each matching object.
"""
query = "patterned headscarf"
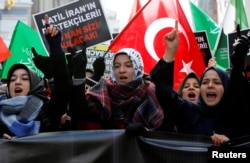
(136, 59)
(133, 102)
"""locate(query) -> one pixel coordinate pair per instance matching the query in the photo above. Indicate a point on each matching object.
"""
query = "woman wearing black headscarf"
(208, 116)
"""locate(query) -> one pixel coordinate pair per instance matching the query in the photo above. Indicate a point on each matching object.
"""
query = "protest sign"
(232, 38)
(79, 21)
(96, 51)
(202, 41)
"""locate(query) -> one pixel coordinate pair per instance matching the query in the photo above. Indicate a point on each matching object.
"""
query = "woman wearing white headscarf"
(125, 98)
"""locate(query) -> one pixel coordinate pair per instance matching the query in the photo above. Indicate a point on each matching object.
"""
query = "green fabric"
(202, 22)
(23, 38)
(235, 14)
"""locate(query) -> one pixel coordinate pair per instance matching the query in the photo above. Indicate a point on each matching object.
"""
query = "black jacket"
(198, 118)
(239, 92)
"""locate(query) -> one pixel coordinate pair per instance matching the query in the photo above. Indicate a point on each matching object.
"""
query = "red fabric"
(4, 53)
(89, 126)
(163, 14)
(136, 7)
(48, 92)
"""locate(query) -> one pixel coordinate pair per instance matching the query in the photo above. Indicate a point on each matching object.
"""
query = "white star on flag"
(187, 67)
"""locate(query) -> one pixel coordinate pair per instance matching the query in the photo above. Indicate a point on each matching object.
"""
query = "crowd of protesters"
(214, 104)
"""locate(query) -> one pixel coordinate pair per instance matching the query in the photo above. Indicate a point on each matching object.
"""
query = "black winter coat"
(197, 118)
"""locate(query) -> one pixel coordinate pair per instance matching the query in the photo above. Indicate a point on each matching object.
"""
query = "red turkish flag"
(4, 53)
(136, 7)
(145, 33)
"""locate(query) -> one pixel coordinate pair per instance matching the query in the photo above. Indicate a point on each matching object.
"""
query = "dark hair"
(14, 68)
(89, 70)
(190, 75)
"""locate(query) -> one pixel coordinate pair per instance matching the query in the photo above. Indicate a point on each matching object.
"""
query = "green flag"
(202, 22)
(23, 38)
(235, 14)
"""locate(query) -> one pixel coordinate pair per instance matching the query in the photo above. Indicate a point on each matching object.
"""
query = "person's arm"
(61, 91)
(172, 42)
(78, 103)
(211, 62)
(239, 89)
(164, 69)
(219, 139)
(162, 75)
(99, 68)
(4, 132)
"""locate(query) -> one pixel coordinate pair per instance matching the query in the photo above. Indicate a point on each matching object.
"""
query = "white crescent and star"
(187, 67)
(154, 28)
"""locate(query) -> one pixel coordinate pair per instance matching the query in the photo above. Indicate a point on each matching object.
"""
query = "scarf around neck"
(135, 102)
(19, 113)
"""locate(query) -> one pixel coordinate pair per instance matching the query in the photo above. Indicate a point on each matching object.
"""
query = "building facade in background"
(13, 10)
(10, 12)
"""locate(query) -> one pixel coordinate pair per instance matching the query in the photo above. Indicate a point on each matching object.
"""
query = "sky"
(121, 7)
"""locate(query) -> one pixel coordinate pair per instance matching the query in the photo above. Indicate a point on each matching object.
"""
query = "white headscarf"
(136, 59)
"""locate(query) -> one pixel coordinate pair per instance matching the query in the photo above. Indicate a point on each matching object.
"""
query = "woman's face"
(19, 83)
(212, 89)
(191, 90)
(123, 69)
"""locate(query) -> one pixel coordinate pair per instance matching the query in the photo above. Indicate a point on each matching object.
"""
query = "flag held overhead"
(4, 53)
(235, 14)
(23, 38)
(145, 33)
